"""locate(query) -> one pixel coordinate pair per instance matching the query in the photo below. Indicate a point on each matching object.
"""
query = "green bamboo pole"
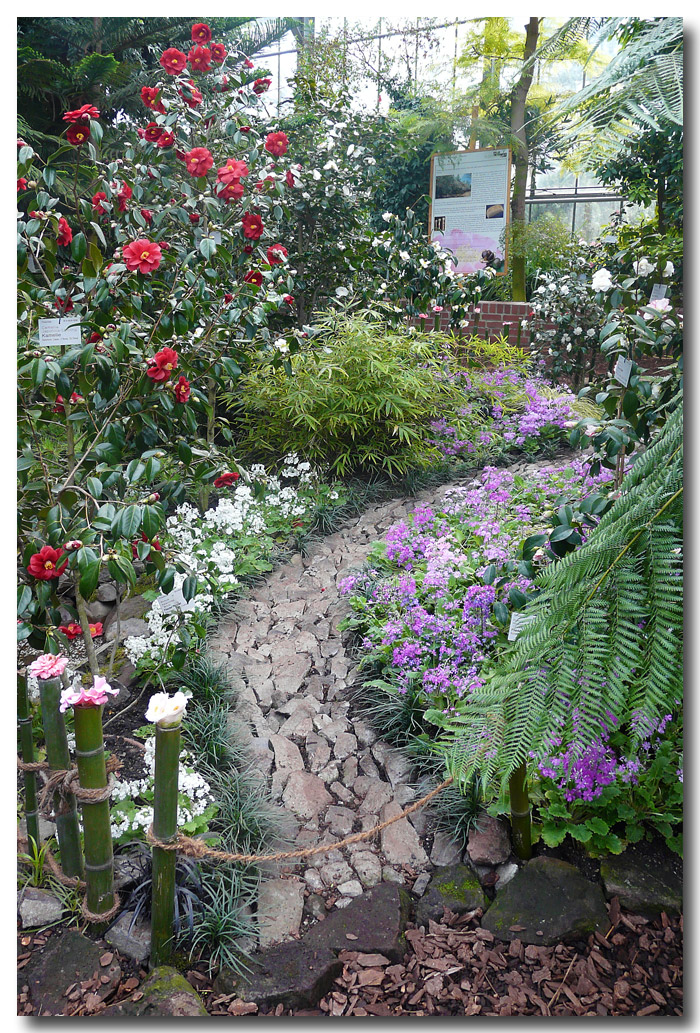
(520, 813)
(99, 859)
(58, 757)
(164, 828)
(24, 720)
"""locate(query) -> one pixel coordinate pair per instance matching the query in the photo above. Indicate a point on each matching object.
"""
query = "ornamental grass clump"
(360, 398)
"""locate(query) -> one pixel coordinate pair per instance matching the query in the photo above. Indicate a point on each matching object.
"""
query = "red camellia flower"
(198, 161)
(21, 184)
(78, 134)
(288, 299)
(95, 629)
(64, 304)
(65, 233)
(248, 63)
(144, 255)
(150, 96)
(152, 132)
(254, 276)
(276, 254)
(261, 85)
(218, 53)
(60, 407)
(195, 217)
(148, 216)
(163, 363)
(201, 33)
(192, 97)
(277, 144)
(72, 631)
(200, 59)
(232, 192)
(166, 139)
(232, 170)
(228, 298)
(252, 226)
(123, 196)
(173, 61)
(97, 200)
(155, 544)
(226, 479)
(44, 565)
(248, 249)
(182, 390)
(94, 337)
(244, 129)
(87, 111)
(222, 85)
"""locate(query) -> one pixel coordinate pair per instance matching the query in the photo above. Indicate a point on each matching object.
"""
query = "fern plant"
(605, 636)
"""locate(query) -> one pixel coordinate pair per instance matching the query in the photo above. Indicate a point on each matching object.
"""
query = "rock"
(127, 674)
(351, 888)
(47, 828)
(321, 755)
(68, 957)
(287, 754)
(165, 992)
(372, 923)
(365, 734)
(334, 874)
(306, 795)
(289, 674)
(313, 880)
(262, 755)
(128, 869)
(445, 850)
(505, 873)
(455, 887)
(280, 909)
(641, 888)
(368, 867)
(377, 795)
(340, 820)
(390, 874)
(421, 884)
(315, 906)
(38, 907)
(345, 745)
(400, 843)
(292, 974)
(132, 940)
(97, 611)
(129, 609)
(549, 897)
(133, 626)
(489, 841)
(107, 592)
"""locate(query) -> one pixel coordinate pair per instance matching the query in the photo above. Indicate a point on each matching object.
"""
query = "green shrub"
(360, 399)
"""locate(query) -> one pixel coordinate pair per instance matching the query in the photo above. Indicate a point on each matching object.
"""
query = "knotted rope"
(65, 783)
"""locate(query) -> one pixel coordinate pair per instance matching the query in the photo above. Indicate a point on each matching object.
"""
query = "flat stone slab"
(133, 941)
(280, 909)
(38, 907)
(372, 923)
(549, 901)
(306, 795)
(641, 888)
(165, 992)
(400, 842)
(454, 886)
(67, 958)
(293, 974)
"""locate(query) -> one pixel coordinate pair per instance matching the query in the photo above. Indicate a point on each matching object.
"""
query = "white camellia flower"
(669, 269)
(602, 280)
(166, 711)
(281, 345)
(341, 292)
(643, 267)
(404, 256)
(387, 216)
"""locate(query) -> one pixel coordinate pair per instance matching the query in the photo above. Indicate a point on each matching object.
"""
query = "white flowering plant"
(132, 801)
(238, 538)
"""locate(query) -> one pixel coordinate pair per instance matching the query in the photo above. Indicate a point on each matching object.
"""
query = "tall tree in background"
(520, 151)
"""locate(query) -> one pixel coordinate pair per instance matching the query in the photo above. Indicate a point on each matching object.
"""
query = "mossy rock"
(642, 889)
(165, 992)
(455, 887)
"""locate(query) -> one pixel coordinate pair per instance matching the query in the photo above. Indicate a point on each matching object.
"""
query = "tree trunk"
(521, 155)
(660, 198)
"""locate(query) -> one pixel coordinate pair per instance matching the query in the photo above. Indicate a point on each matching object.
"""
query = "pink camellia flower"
(660, 305)
(276, 254)
(198, 161)
(218, 53)
(94, 696)
(422, 315)
(142, 254)
(87, 111)
(277, 144)
(48, 666)
(173, 60)
(437, 308)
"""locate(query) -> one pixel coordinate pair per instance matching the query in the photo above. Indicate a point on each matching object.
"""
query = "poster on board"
(470, 206)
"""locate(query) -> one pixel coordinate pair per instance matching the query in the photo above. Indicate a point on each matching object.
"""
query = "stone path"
(327, 766)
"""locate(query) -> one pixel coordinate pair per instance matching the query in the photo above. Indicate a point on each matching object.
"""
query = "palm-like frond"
(606, 637)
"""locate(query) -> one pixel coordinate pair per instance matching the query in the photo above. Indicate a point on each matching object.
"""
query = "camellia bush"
(142, 282)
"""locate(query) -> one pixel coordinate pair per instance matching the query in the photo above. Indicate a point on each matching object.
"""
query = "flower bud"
(73, 545)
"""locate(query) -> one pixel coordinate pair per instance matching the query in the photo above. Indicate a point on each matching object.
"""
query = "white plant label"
(59, 331)
(517, 622)
(174, 600)
(658, 291)
(216, 236)
(623, 369)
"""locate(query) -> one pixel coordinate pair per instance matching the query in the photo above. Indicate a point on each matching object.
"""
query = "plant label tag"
(658, 291)
(174, 600)
(517, 622)
(216, 236)
(623, 369)
(59, 331)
